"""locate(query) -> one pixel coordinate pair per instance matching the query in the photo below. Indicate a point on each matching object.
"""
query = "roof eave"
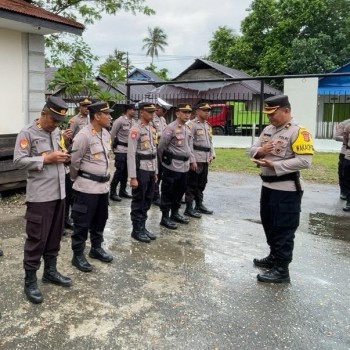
(39, 25)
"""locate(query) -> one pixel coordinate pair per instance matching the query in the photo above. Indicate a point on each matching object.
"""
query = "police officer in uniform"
(339, 136)
(119, 136)
(89, 171)
(346, 167)
(175, 151)
(37, 150)
(82, 119)
(282, 150)
(75, 124)
(142, 170)
(204, 153)
(159, 123)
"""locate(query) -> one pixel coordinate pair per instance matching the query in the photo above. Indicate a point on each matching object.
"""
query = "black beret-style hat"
(100, 107)
(57, 107)
(275, 102)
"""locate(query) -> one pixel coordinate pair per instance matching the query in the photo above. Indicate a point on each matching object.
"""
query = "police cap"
(275, 102)
(100, 107)
(57, 107)
(184, 107)
(85, 101)
(147, 106)
(203, 105)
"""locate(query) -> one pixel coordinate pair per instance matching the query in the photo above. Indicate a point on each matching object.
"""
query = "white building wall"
(303, 97)
(14, 77)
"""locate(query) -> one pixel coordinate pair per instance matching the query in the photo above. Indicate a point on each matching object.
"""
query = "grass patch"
(324, 167)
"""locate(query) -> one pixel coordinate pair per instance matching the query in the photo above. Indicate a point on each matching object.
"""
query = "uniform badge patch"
(133, 134)
(24, 143)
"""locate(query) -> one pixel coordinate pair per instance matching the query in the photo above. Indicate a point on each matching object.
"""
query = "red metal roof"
(24, 8)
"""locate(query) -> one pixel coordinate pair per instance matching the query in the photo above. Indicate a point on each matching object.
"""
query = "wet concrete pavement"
(194, 288)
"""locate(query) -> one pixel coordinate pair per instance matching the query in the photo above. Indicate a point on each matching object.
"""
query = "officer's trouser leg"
(99, 219)
(44, 231)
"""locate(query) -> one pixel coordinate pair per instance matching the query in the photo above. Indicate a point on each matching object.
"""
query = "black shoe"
(115, 197)
(124, 194)
(192, 213)
(140, 236)
(267, 262)
(168, 223)
(100, 254)
(203, 209)
(275, 275)
(68, 224)
(156, 202)
(55, 277)
(342, 196)
(80, 262)
(1, 253)
(150, 234)
(179, 218)
(31, 289)
(347, 206)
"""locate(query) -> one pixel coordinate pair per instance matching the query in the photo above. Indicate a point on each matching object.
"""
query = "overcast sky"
(189, 25)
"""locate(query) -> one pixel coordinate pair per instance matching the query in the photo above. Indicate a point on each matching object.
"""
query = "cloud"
(189, 26)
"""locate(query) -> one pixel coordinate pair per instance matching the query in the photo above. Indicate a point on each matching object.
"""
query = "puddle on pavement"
(325, 225)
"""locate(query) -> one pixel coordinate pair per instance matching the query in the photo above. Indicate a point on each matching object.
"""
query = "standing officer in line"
(82, 119)
(37, 150)
(159, 123)
(89, 171)
(339, 136)
(142, 169)
(75, 124)
(204, 153)
(282, 150)
(119, 137)
(346, 167)
(175, 151)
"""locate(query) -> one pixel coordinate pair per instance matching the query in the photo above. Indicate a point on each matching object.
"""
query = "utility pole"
(127, 79)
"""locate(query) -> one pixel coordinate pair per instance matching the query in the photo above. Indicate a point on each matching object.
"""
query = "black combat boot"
(278, 274)
(80, 262)
(100, 254)
(267, 262)
(347, 205)
(31, 289)
(175, 216)
(51, 275)
(167, 222)
(191, 212)
(138, 233)
(113, 192)
(122, 191)
(150, 234)
(200, 207)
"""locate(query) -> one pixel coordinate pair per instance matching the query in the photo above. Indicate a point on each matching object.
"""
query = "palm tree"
(156, 40)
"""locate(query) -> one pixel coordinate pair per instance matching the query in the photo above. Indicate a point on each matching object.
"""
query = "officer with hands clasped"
(38, 151)
(119, 135)
(204, 153)
(282, 150)
(89, 172)
(142, 171)
(175, 149)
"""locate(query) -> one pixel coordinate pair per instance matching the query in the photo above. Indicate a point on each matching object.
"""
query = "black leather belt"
(286, 177)
(122, 143)
(93, 177)
(201, 148)
(146, 156)
(183, 158)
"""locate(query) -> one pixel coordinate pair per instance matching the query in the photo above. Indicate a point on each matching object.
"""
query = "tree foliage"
(287, 37)
(157, 39)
